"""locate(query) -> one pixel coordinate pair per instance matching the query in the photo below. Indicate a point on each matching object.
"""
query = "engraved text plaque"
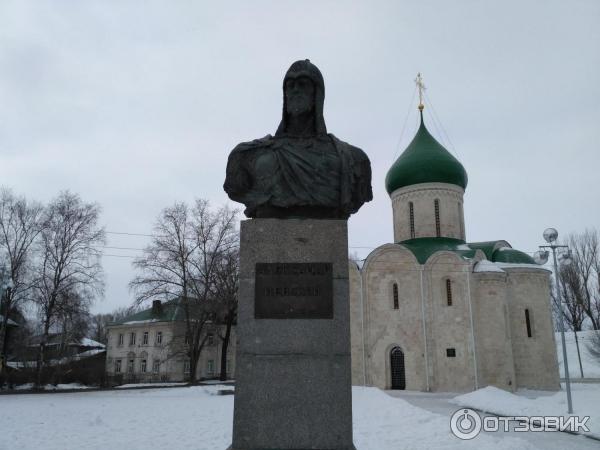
(294, 291)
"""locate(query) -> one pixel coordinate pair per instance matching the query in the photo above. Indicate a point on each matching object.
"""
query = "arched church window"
(438, 231)
(449, 292)
(395, 296)
(411, 214)
(528, 322)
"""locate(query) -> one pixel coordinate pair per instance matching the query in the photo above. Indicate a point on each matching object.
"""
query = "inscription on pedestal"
(293, 291)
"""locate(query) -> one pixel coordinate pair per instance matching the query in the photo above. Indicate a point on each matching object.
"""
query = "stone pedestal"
(293, 375)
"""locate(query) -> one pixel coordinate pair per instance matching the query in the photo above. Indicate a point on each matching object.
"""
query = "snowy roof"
(87, 342)
(504, 265)
(166, 312)
(487, 266)
(10, 321)
(56, 339)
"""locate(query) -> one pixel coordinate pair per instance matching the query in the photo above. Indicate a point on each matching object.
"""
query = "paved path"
(438, 403)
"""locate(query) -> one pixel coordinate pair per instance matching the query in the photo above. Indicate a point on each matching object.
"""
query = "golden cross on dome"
(421, 86)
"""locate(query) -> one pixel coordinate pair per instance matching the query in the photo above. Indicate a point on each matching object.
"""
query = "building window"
(143, 366)
(145, 338)
(438, 231)
(411, 216)
(121, 339)
(528, 323)
(156, 366)
(210, 339)
(210, 366)
(451, 352)
(186, 366)
(395, 295)
(130, 366)
(449, 292)
(187, 339)
(118, 365)
(159, 337)
(132, 338)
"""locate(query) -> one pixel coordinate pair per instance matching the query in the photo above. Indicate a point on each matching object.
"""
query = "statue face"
(299, 95)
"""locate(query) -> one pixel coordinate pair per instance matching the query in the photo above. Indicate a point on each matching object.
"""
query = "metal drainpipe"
(424, 330)
(472, 327)
(362, 325)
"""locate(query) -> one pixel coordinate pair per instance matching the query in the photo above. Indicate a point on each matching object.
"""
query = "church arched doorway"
(397, 367)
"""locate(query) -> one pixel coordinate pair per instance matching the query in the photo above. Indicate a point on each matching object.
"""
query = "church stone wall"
(423, 197)
(536, 365)
(356, 326)
(386, 327)
(448, 327)
(492, 331)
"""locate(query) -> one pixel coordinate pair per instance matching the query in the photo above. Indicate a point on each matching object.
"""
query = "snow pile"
(586, 402)
(590, 364)
(197, 418)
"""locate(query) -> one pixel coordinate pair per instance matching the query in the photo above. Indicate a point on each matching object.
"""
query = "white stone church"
(430, 311)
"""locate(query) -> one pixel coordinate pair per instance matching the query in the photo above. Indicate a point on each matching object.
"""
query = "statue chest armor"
(296, 167)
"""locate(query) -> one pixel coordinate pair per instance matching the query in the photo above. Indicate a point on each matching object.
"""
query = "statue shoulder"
(242, 147)
(356, 153)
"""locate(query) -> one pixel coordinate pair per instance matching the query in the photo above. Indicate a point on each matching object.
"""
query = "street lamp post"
(550, 236)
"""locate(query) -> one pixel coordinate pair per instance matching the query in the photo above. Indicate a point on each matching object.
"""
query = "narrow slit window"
(411, 215)
(395, 295)
(449, 292)
(460, 221)
(528, 323)
(436, 204)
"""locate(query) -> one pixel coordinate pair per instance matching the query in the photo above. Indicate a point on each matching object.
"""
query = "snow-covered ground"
(586, 402)
(197, 418)
(590, 365)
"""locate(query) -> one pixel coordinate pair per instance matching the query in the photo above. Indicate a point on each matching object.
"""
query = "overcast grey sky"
(137, 104)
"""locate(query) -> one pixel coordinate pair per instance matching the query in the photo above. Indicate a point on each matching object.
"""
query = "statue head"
(303, 93)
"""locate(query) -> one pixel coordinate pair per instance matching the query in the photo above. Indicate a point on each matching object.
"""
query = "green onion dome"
(511, 255)
(425, 160)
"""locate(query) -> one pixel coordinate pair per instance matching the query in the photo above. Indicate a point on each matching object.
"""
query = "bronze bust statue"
(302, 171)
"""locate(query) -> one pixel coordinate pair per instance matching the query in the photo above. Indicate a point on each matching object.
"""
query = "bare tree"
(68, 267)
(226, 291)
(593, 345)
(20, 225)
(181, 263)
(571, 308)
(581, 277)
(98, 323)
